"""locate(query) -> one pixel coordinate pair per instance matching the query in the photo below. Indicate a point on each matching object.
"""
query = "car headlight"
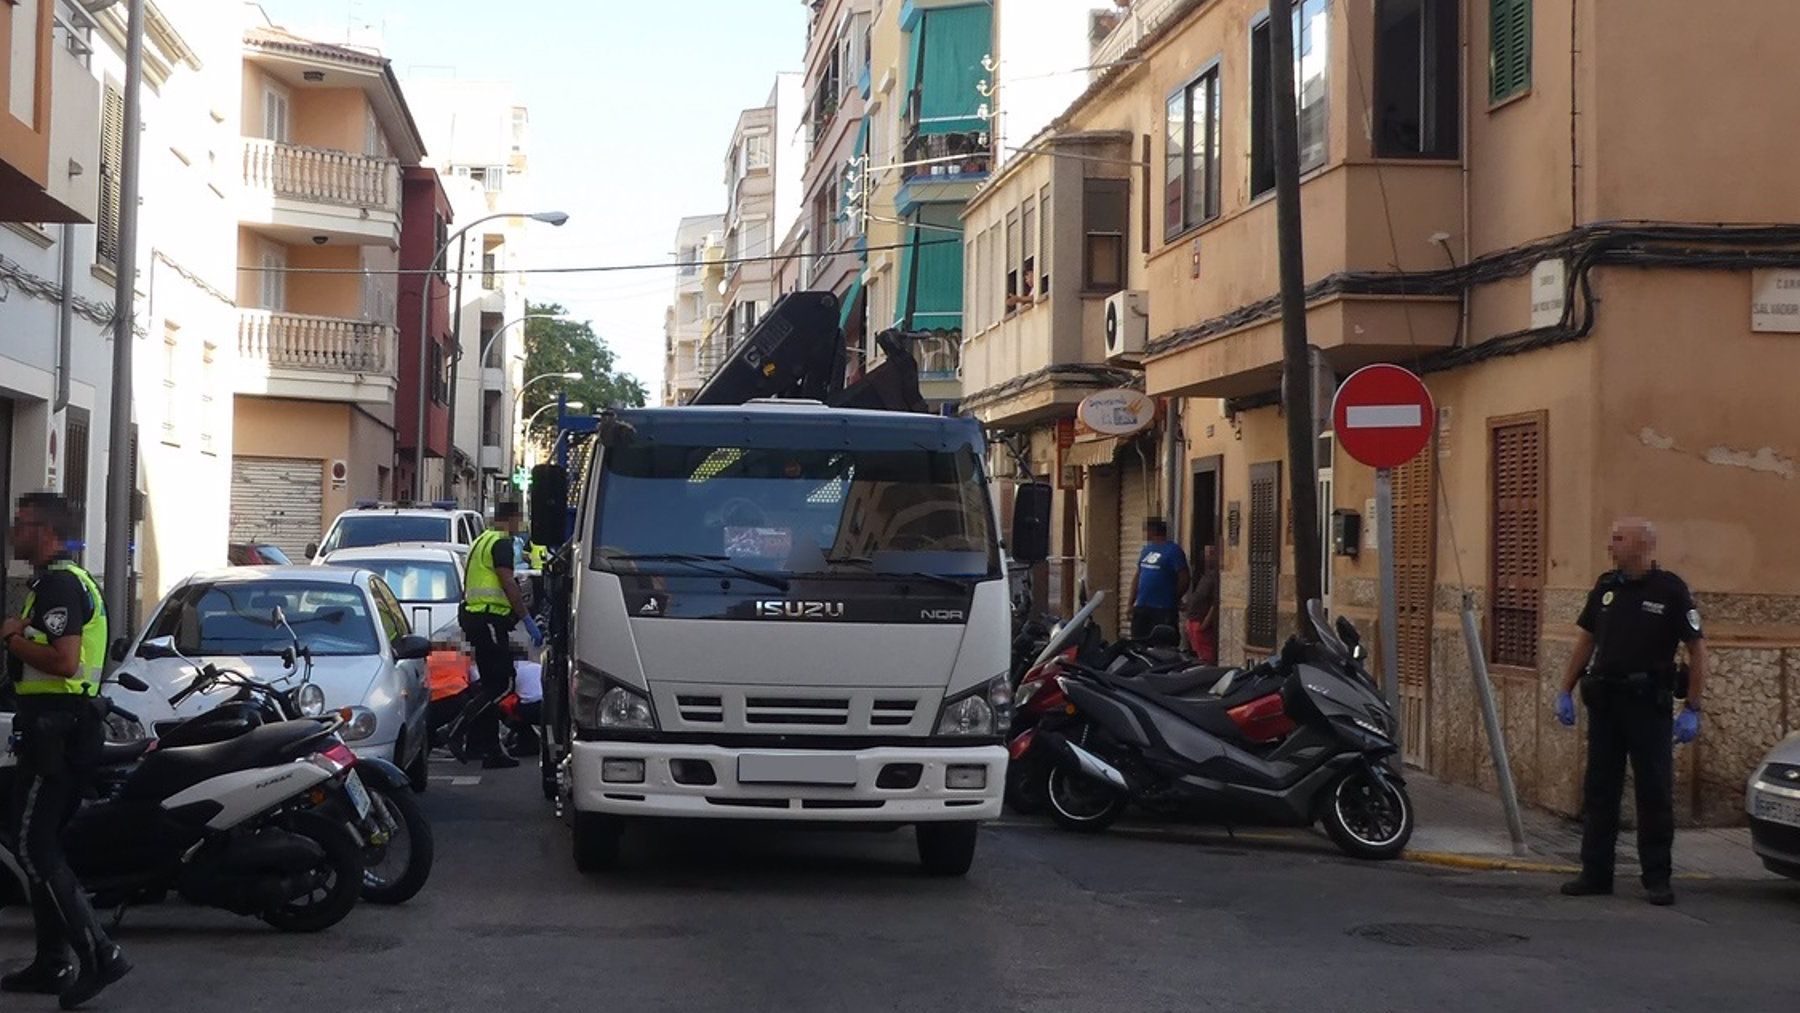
(309, 700)
(603, 702)
(359, 724)
(985, 710)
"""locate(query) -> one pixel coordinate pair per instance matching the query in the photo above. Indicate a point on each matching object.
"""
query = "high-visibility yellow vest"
(540, 555)
(481, 582)
(85, 682)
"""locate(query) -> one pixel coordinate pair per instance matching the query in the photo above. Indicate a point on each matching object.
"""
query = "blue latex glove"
(1565, 709)
(532, 629)
(1687, 726)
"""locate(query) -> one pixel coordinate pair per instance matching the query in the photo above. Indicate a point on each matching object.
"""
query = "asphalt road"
(742, 919)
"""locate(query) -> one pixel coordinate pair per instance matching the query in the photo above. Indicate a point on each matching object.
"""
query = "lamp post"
(481, 421)
(555, 218)
(535, 379)
(116, 568)
(571, 406)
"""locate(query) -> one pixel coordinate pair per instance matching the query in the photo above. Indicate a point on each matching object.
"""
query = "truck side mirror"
(1030, 542)
(549, 504)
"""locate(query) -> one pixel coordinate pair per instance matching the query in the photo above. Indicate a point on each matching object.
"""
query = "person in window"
(1202, 607)
(1160, 581)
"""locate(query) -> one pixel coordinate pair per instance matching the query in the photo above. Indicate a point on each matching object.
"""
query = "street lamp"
(553, 218)
(481, 424)
(547, 376)
(571, 406)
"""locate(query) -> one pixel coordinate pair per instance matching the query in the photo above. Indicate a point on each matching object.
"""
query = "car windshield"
(273, 556)
(362, 530)
(236, 618)
(413, 580)
(793, 512)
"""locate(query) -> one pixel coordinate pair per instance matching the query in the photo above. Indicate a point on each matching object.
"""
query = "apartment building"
(830, 236)
(699, 247)
(1466, 167)
(479, 136)
(764, 169)
(327, 135)
(933, 150)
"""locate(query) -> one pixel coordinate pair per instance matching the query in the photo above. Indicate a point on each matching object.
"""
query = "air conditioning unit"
(1127, 325)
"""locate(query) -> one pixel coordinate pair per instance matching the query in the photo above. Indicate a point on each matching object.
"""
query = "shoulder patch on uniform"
(1607, 598)
(55, 621)
(1694, 619)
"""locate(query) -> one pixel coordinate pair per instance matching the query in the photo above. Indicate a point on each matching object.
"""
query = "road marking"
(458, 780)
(1382, 416)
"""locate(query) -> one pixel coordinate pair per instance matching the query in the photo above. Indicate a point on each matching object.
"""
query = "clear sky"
(632, 106)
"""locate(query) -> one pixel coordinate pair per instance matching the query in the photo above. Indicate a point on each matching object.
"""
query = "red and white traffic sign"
(1383, 415)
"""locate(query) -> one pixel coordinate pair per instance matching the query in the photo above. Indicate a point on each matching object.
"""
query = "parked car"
(364, 655)
(1773, 804)
(370, 523)
(256, 554)
(427, 578)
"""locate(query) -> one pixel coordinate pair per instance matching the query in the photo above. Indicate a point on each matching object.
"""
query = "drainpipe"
(1468, 215)
(1172, 444)
(65, 320)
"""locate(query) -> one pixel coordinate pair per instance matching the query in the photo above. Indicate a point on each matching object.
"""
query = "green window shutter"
(1509, 48)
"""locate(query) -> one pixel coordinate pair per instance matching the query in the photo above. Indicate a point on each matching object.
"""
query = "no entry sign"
(1382, 416)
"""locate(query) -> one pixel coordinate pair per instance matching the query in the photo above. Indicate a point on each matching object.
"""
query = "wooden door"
(1415, 582)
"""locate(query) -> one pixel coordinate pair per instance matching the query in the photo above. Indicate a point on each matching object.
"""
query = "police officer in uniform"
(492, 606)
(54, 652)
(1624, 666)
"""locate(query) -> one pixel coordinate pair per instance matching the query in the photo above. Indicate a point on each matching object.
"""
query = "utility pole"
(1296, 367)
(119, 489)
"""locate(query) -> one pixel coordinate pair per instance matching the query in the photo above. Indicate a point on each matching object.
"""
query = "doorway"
(1207, 505)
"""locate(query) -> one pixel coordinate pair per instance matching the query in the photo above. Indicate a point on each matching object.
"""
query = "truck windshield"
(791, 512)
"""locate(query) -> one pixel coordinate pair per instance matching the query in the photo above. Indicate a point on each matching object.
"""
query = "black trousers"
(59, 743)
(487, 637)
(1636, 726)
(1144, 619)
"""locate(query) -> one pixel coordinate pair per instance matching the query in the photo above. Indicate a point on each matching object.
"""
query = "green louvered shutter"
(1509, 48)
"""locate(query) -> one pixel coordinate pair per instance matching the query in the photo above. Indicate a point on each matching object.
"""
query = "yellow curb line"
(1481, 863)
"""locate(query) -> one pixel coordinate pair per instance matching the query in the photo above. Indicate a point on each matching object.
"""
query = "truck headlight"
(626, 709)
(985, 710)
(602, 702)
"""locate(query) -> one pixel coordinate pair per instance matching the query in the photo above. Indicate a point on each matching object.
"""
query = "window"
(171, 383)
(490, 263)
(112, 158)
(1265, 555)
(758, 152)
(1191, 150)
(755, 241)
(392, 617)
(1044, 242)
(75, 479)
(1312, 54)
(209, 410)
(440, 373)
(276, 106)
(1509, 49)
(272, 283)
(1012, 263)
(1028, 251)
(521, 118)
(494, 178)
(1417, 89)
(1516, 537)
(1105, 210)
(231, 618)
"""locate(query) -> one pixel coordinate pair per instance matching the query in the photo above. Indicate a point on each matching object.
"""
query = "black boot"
(40, 977)
(1659, 894)
(1582, 886)
(105, 966)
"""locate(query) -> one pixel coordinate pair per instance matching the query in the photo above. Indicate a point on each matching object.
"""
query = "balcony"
(493, 380)
(310, 192)
(493, 458)
(315, 358)
(943, 167)
(1145, 16)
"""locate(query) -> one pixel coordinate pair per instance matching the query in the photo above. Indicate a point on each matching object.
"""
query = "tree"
(567, 346)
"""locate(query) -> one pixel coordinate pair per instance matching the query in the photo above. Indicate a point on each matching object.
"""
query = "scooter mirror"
(1346, 631)
(131, 682)
(157, 647)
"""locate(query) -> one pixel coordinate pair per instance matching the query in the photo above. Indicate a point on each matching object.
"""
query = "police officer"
(1624, 664)
(492, 606)
(54, 650)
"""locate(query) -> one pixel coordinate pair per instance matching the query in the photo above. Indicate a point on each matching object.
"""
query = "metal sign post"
(1390, 609)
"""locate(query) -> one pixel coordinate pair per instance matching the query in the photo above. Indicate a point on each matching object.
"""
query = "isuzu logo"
(781, 609)
(942, 615)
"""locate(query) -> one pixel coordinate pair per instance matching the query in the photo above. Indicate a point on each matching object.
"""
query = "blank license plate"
(788, 768)
(359, 796)
(1778, 810)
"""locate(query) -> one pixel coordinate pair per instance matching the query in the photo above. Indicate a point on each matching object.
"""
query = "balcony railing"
(321, 176)
(1144, 17)
(319, 344)
(945, 156)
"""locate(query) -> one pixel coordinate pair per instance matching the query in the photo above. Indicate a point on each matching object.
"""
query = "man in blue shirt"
(1160, 581)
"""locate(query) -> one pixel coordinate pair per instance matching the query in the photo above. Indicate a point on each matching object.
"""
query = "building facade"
(327, 135)
(699, 246)
(1463, 183)
(830, 238)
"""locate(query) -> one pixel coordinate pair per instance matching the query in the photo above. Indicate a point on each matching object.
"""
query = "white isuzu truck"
(782, 609)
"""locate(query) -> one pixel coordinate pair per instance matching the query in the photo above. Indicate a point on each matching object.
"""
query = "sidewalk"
(1466, 828)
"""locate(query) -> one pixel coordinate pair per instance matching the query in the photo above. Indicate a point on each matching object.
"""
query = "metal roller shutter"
(277, 500)
(1134, 507)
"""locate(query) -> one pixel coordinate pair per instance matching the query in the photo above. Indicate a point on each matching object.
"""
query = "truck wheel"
(597, 841)
(947, 849)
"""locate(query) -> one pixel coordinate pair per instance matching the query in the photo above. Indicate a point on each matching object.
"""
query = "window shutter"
(1509, 48)
(1265, 555)
(112, 157)
(1516, 548)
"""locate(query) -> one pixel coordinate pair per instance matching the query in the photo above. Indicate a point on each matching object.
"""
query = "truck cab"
(786, 611)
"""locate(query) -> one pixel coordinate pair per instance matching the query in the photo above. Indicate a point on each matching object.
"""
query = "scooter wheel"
(1368, 817)
(411, 850)
(1082, 804)
(340, 882)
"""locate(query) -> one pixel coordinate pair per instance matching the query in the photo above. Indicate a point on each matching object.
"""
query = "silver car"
(1773, 804)
(427, 578)
(365, 657)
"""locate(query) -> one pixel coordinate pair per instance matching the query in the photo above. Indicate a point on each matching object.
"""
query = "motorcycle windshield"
(1328, 639)
(1066, 634)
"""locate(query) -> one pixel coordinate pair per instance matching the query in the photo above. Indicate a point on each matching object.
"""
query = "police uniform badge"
(55, 621)
(1607, 598)
(1694, 619)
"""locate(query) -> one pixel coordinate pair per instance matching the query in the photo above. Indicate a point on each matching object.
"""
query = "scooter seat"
(169, 770)
(123, 754)
(1206, 713)
(1185, 682)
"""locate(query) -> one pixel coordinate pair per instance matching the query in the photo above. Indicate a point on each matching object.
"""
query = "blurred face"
(1153, 533)
(1630, 546)
(33, 541)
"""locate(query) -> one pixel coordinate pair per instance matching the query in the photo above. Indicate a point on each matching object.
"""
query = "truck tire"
(597, 841)
(947, 849)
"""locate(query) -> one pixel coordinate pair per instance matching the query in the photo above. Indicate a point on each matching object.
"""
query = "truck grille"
(892, 713)
(779, 710)
(772, 710)
(701, 710)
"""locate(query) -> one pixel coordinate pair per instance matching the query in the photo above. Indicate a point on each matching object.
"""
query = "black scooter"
(1332, 756)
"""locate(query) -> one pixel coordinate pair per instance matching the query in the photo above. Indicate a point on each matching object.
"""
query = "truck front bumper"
(661, 795)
